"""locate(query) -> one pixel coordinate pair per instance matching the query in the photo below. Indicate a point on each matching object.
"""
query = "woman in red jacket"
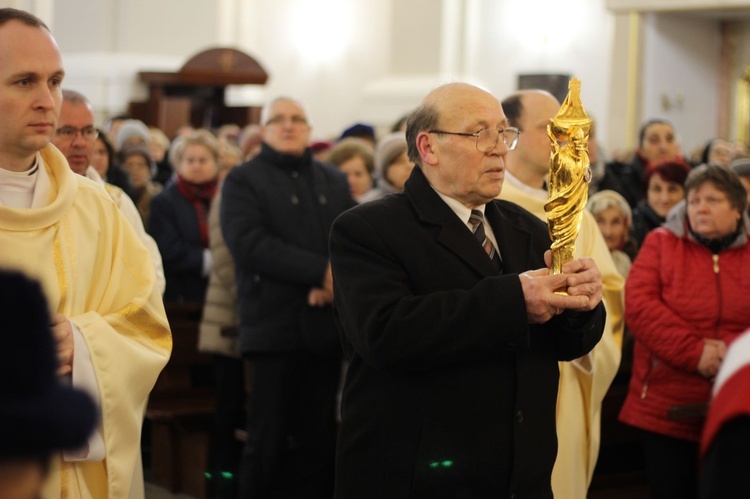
(685, 301)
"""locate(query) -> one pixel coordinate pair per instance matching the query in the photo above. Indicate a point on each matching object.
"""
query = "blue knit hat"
(39, 414)
(359, 130)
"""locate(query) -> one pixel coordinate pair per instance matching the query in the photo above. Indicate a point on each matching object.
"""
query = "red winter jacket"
(678, 293)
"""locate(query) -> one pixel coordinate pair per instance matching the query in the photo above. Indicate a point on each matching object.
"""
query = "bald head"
(531, 111)
(455, 96)
(515, 104)
(286, 126)
(446, 103)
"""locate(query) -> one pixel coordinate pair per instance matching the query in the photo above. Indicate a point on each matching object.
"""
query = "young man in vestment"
(585, 381)
(112, 334)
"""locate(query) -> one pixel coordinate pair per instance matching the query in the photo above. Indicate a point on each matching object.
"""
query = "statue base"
(561, 256)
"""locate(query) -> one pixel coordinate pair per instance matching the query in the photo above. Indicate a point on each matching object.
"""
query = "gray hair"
(265, 113)
(74, 97)
(610, 199)
(200, 137)
(423, 118)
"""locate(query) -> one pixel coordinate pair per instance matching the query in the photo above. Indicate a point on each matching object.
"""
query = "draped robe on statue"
(95, 272)
(584, 382)
(568, 190)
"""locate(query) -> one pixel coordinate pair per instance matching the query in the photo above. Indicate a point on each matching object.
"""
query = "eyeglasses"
(280, 120)
(487, 138)
(70, 133)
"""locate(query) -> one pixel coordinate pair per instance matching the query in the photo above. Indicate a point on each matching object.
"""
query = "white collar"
(27, 189)
(460, 209)
(533, 191)
(464, 213)
(92, 174)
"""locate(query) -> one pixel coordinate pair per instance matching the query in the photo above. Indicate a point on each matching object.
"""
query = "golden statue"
(569, 176)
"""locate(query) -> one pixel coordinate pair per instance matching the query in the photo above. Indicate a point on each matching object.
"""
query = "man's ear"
(427, 148)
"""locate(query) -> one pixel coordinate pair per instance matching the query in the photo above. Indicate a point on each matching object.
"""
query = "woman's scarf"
(200, 195)
(717, 244)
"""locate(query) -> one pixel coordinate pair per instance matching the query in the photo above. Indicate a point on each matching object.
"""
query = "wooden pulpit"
(195, 95)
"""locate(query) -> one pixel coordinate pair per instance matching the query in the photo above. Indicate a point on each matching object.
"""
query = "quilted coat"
(677, 294)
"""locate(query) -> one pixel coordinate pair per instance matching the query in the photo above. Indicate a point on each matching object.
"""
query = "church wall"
(680, 74)
(358, 60)
(539, 36)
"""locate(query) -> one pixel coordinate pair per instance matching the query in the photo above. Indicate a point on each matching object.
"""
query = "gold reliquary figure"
(569, 176)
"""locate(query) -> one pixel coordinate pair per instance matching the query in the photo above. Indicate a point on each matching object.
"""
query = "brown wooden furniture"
(194, 95)
(181, 408)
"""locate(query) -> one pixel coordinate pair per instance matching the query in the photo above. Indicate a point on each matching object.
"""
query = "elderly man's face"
(79, 148)
(287, 130)
(458, 169)
(31, 73)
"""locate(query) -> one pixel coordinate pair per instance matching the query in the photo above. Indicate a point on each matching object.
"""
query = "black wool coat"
(174, 226)
(276, 216)
(450, 392)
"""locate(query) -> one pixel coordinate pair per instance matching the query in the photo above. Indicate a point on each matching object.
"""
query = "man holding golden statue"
(451, 321)
(547, 174)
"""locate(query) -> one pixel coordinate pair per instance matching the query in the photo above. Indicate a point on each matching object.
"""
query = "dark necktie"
(477, 222)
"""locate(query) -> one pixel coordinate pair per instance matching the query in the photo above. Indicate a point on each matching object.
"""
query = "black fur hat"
(39, 413)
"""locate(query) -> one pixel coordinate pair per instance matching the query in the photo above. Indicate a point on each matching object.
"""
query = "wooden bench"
(181, 408)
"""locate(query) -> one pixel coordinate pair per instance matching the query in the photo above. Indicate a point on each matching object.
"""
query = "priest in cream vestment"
(96, 273)
(63, 229)
(585, 381)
